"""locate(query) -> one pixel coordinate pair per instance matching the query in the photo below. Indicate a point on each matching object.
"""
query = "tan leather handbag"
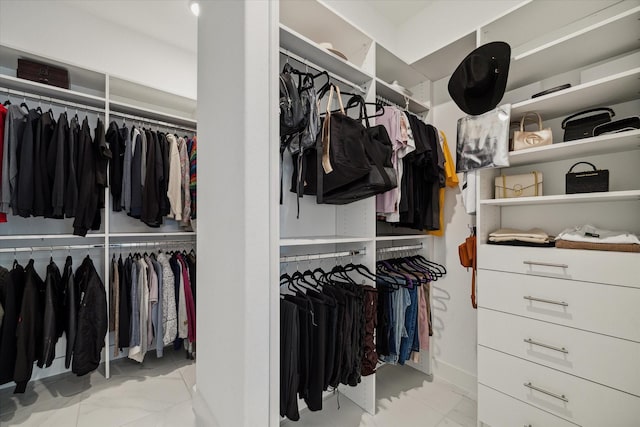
(528, 139)
(524, 185)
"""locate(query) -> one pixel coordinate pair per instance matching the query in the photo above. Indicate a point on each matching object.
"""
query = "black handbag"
(622, 125)
(382, 176)
(587, 181)
(578, 128)
(341, 155)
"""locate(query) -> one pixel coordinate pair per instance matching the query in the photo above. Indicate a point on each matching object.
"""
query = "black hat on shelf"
(479, 82)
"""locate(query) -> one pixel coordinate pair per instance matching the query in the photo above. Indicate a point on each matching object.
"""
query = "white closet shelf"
(599, 41)
(609, 196)
(613, 89)
(155, 234)
(387, 91)
(389, 68)
(392, 237)
(45, 91)
(122, 107)
(50, 236)
(321, 240)
(603, 144)
(300, 45)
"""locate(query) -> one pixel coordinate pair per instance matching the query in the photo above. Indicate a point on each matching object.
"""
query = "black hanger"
(7, 102)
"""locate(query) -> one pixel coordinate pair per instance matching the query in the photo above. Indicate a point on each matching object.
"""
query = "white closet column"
(236, 151)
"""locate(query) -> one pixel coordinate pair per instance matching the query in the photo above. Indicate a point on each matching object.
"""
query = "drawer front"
(609, 310)
(617, 268)
(580, 401)
(497, 410)
(606, 360)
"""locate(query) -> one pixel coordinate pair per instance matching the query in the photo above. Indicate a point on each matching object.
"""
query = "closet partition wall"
(346, 233)
(95, 95)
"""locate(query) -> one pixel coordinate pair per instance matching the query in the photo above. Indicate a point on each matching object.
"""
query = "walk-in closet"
(407, 213)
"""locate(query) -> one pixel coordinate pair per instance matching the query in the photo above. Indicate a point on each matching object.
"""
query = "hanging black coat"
(26, 161)
(116, 139)
(71, 303)
(42, 185)
(71, 184)
(51, 316)
(11, 288)
(92, 319)
(29, 329)
(58, 166)
(151, 213)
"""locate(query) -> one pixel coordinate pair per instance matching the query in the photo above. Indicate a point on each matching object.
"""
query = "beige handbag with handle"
(528, 139)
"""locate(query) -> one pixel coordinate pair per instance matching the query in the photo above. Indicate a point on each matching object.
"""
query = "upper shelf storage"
(609, 90)
(306, 48)
(86, 87)
(139, 100)
(603, 144)
(567, 36)
(388, 92)
(317, 23)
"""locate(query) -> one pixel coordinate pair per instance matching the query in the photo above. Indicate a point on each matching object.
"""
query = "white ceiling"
(169, 21)
(399, 11)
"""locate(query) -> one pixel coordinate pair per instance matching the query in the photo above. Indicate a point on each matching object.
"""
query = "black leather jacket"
(92, 319)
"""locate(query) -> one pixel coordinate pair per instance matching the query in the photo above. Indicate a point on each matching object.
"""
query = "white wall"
(69, 34)
(454, 319)
(444, 22)
(238, 225)
(366, 19)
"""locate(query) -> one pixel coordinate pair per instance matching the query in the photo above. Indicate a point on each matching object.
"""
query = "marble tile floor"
(404, 397)
(158, 393)
(155, 393)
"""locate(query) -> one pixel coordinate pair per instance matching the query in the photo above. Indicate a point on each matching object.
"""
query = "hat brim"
(475, 106)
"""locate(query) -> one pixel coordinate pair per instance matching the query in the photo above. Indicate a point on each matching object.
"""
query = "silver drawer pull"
(547, 301)
(548, 393)
(551, 347)
(546, 264)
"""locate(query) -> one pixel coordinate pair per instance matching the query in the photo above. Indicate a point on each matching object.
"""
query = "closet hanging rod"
(151, 244)
(393, 104)
(50, 100)
(308, 63)
(150, 121)
(400, 248)
(296, 258)
(51, 248)
(95, 246)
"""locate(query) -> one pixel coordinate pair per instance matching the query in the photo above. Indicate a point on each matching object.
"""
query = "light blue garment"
(400, 300)
(135, 307)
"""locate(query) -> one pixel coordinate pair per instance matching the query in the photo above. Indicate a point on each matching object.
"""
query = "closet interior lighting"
(310, 64)
(151, 121)
(400, 248)
(49, 100)
(295, 258)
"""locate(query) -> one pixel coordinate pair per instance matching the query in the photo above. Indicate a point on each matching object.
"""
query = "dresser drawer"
(600, 358)
(497, 410)
(574, 399)
(617, 268)
(609, 310)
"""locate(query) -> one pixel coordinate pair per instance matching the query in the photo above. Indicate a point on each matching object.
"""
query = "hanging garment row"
(404, 311)
(152, 303)
(327, 323)
(153, 174)
(424, 166)
(52, 168)
(38, 312)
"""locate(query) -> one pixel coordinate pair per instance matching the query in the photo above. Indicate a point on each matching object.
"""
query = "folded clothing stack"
(590, 237)
(515, 237)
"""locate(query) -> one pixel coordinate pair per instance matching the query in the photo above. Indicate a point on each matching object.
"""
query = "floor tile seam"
(430, 405)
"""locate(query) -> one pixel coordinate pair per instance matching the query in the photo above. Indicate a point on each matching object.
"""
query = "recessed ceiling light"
(195, 7)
